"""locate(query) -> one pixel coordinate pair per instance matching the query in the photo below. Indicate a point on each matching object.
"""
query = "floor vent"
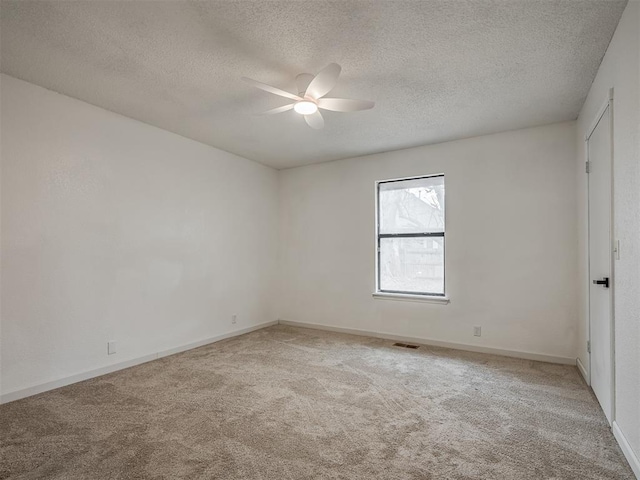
(406, 345)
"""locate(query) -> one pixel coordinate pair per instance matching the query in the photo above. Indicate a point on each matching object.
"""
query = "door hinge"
(586, 167)
(589, 346)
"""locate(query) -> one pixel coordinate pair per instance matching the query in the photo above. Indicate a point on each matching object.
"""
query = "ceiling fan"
(311, 96)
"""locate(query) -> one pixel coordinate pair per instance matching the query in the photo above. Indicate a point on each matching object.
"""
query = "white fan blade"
(344, 104)
(277, 110)
(324, 81)
(270, 89)
(315, 120)
(302, 81)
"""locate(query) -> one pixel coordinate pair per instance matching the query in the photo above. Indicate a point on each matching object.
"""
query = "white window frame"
(398, 295)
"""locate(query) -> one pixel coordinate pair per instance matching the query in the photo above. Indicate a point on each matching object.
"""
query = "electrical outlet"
(234, 318)
(112, 348)
(477, 331)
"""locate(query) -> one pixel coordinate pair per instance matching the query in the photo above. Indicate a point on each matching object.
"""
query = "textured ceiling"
(437, 70)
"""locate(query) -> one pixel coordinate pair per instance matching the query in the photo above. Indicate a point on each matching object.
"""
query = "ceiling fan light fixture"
(305, 107)
(310, 101)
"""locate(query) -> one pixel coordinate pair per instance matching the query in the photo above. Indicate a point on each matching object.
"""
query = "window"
(410, 235)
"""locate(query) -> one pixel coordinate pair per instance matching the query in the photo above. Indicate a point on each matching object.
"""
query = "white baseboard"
(583, 371)
(541, 357)
(62, 382)
(630, 455)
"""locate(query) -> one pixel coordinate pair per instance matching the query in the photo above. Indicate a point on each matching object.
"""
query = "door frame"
(613, 249)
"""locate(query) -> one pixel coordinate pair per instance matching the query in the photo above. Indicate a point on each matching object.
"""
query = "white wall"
(116, 230)
(510, 247)
(620, 69)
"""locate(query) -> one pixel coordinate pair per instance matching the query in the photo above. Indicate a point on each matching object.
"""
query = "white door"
(600, 249)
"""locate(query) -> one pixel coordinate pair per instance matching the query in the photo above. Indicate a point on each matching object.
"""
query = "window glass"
(411, 236)
(412, 206)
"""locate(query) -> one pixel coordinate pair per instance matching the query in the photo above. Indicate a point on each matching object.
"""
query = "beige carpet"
(292, 403)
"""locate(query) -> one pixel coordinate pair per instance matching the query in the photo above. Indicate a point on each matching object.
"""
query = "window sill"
(407, 297)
